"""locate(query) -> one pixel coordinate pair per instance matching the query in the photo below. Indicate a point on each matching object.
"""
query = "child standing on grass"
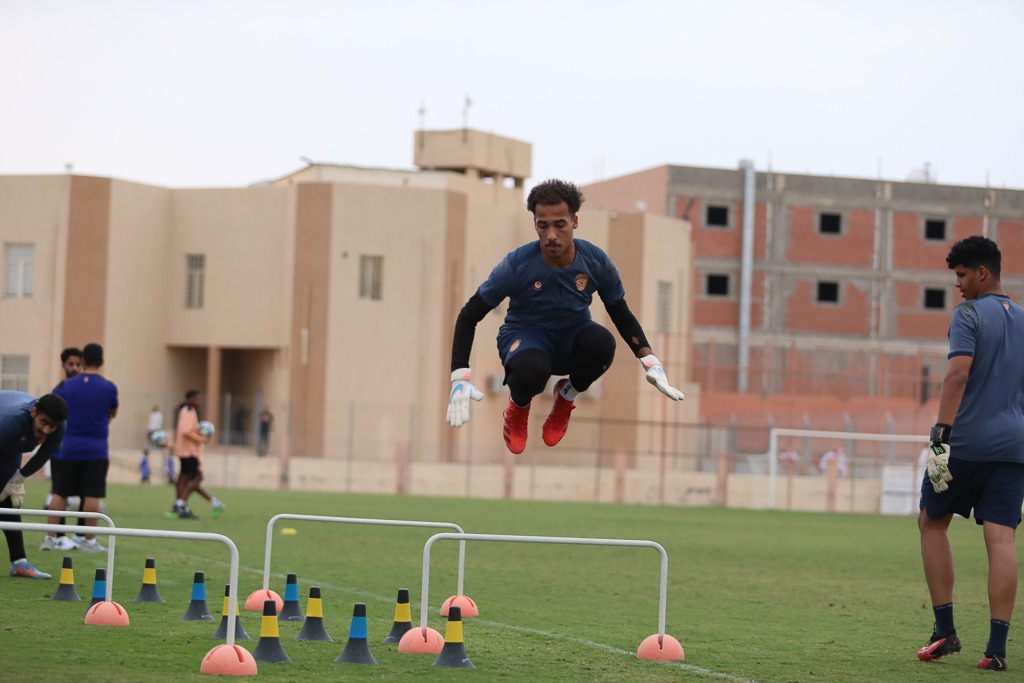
(144, 466)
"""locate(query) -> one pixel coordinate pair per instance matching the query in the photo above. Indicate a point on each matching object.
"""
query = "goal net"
(891, 463)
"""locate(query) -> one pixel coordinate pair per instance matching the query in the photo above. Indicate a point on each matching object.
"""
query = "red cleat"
(514, 431)
(557, 423)
(940, 646)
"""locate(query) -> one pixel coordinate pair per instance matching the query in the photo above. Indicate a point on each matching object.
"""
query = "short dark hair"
(975, 251)
(93, 355)
(53, 406)
(552, 192)
(192, 392)
(69, 352)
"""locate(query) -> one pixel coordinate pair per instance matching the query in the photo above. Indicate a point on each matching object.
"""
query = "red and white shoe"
(514, 431)
(557, 423)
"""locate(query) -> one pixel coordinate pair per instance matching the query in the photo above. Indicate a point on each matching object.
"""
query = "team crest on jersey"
(581, 282)
(515, 345)
(1006, 305)
(536, 285)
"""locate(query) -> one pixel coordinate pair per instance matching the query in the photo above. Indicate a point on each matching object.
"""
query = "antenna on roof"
(422, 111)
(465, 118)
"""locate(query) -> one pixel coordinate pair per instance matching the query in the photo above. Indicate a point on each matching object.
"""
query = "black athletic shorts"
(993, 490)
(189, 465)
(85, 478)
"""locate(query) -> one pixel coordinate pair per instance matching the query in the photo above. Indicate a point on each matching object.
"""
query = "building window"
(195, 280)
(14, 373)
(19, 275)
(935, 229)
(663, 311)
(371, 277)
(717, 284)
(716, 216)
(830, 223)
(828, 292)
(935, 299)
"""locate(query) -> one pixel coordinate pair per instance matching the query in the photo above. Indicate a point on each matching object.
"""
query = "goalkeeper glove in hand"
(458, 401)
(938, 457)
(15, 490)
(656, 376)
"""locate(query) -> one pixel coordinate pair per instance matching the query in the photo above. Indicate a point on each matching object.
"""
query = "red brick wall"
(1011, 244)
(853, 247)
(716, 241)
(850, 316)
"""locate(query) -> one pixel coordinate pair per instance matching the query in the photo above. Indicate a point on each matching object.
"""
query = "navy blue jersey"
(989, 424)
(541, 295)
(17, 436)
(90, 398)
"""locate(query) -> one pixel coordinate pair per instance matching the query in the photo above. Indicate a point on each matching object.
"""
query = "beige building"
(328, 296)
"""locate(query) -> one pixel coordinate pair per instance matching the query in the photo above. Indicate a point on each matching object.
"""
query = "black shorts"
(85, 478)
(189, 465)
(993, 490)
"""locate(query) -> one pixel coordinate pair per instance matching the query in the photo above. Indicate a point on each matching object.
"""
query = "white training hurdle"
(564, 540)
(160, 533)
(79, 515)
(357, 520)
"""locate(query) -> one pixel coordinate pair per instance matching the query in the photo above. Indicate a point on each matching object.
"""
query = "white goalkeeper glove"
(656, 376)
(938, 458)
(458, 401)
(15, 490)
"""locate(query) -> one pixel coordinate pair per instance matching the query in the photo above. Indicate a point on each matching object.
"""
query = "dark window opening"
(935, 298)
(828, 292)
(935, 229)
(717, 216)
(830, 223)
(718, 285)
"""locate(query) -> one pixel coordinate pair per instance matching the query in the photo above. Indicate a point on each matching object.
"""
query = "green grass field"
(759, 596)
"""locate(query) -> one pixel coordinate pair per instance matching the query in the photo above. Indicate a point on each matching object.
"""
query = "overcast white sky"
(188, 93)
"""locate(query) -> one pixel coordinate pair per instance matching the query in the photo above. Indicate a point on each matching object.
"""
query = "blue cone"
(290, 610)
(197, 609)
(99, 589)
(357, 650)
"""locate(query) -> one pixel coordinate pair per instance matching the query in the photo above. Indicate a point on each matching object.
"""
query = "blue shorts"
(556, 344)
(994, 490)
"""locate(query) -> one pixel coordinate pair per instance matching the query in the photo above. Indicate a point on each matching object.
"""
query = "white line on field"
(494, 624)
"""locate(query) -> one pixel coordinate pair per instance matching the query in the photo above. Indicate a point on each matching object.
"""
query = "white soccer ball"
(206, 428)
(159, 438)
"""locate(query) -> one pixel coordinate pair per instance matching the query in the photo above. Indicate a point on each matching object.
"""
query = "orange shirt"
(188, 442)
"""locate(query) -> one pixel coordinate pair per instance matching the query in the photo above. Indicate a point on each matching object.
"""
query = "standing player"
(92, 404)
(25, 424)
(548, 330)
(977, 448)
(188, 446)
(71, 361)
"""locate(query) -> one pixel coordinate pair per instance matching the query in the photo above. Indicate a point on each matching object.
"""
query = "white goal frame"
(776, 432)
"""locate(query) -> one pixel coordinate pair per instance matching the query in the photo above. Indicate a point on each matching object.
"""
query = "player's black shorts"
(85, 478)
(994, 490)
(189, 465)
